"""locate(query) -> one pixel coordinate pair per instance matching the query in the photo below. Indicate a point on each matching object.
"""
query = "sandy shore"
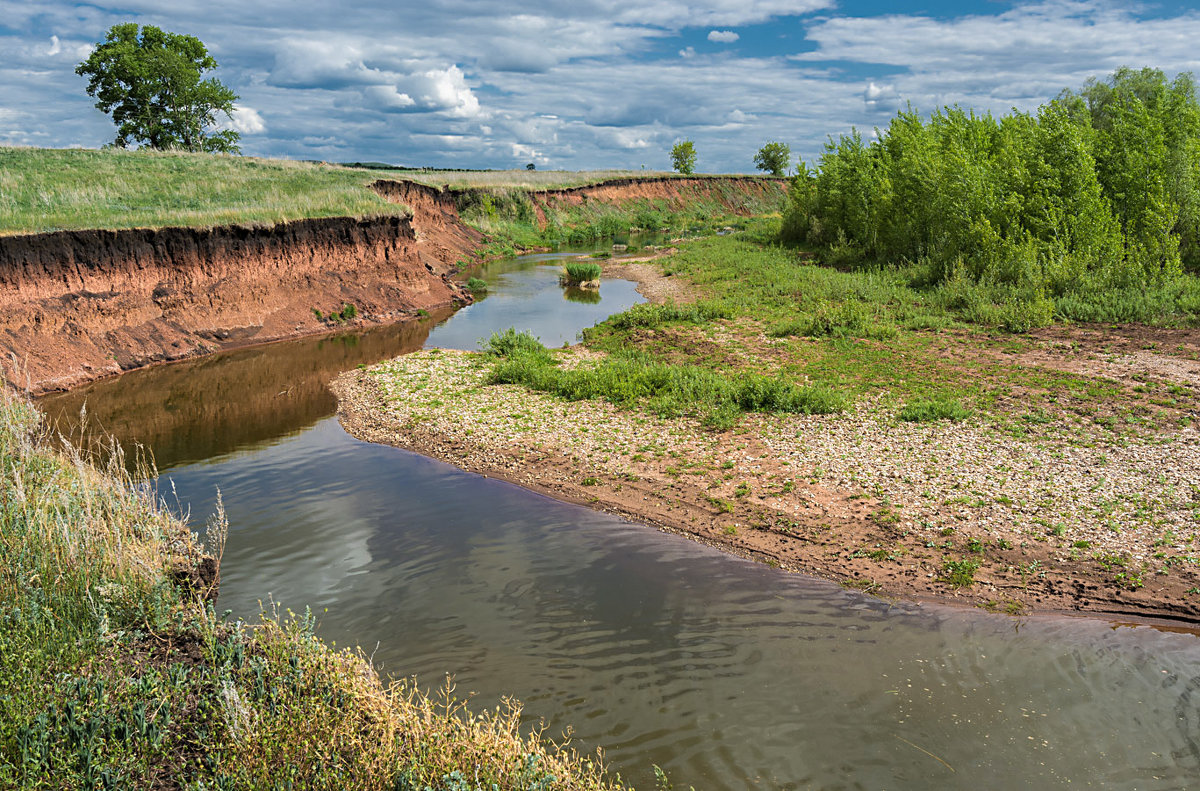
(1059, 519)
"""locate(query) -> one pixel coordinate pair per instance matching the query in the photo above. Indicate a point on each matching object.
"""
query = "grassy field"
(55, 189)
(789, 327)
(118, 675)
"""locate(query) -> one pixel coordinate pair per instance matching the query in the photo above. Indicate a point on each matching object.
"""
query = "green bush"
(476, 285)
(511, 343)
(1088, 208)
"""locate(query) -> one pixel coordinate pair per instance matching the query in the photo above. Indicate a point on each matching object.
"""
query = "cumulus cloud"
(445, 87)
(881, 97)
(246, 121)
(1019, 57)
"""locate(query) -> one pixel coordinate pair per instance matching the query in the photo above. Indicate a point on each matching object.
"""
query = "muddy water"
(726, 673)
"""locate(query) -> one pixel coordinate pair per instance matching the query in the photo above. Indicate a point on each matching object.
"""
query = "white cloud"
(247, 121)
(462, 83)
(446, 89)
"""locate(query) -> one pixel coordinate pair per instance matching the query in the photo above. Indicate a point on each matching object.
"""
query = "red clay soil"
(81, 305)
(737, 194)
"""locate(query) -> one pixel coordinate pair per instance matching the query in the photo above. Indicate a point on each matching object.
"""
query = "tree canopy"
(150, 81)
(1097, 190)
(774, 158)
(683, 157)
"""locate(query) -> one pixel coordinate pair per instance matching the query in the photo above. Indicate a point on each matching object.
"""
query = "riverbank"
(1016, 473)
(120, 673)
(92, 302)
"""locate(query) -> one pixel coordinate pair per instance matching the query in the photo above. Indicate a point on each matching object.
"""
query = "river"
(726, 673)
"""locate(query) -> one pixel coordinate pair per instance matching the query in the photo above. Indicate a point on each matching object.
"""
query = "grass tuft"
(926, 411)
(581, 271)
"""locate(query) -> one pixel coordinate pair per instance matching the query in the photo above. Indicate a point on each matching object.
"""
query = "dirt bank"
(81, 305)
(1049, 521)
(734, 194)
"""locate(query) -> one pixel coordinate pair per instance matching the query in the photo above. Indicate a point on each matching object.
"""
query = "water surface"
(727, 673)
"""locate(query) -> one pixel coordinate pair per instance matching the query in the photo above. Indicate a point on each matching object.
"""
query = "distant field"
(519, 179)
(60, 189)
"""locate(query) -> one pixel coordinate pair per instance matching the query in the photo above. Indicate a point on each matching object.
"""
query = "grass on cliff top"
(74, 189)
(117, 677)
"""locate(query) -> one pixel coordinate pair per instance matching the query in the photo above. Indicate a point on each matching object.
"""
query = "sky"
(587, 84)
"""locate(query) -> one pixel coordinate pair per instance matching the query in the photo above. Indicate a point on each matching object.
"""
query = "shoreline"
(753, 493)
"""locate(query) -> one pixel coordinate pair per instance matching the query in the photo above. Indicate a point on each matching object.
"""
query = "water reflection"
(725, 672)
(210, 406)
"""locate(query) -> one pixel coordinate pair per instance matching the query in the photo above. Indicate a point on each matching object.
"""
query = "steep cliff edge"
(80, 305)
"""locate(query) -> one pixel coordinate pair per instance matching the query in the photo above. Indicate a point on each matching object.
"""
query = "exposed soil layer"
(736, 194)
(81, 305)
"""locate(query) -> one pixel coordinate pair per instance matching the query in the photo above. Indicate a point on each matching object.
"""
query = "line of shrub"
(1088, 209)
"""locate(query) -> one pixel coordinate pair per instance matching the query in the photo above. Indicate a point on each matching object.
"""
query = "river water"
(725, 672)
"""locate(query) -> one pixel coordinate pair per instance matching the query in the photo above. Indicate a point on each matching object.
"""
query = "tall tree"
(773, 158)
(150, 81)
(683, 157)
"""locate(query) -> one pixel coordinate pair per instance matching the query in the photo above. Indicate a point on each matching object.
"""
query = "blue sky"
(587, 84)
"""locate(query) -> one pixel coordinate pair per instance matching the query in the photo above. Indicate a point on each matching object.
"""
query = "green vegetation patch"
(633, 379)
(1087, 209)
(581, 271)
(77, 189)
(49, 189)
(925, 411)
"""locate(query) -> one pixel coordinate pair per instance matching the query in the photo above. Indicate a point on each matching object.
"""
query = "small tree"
(683, 157)
(530, 166)
(773, 158)
(149, 80)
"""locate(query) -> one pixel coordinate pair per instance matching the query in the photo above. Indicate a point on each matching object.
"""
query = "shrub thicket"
(1028, 215)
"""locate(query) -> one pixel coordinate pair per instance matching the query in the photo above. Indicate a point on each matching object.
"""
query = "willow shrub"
(1093, 195)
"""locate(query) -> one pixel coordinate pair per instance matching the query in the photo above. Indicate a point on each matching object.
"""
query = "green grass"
(581, 271)
(117, 676)
(925, 411)
(635, 380)
(74, 189)
(774, 310)
(51, 189)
